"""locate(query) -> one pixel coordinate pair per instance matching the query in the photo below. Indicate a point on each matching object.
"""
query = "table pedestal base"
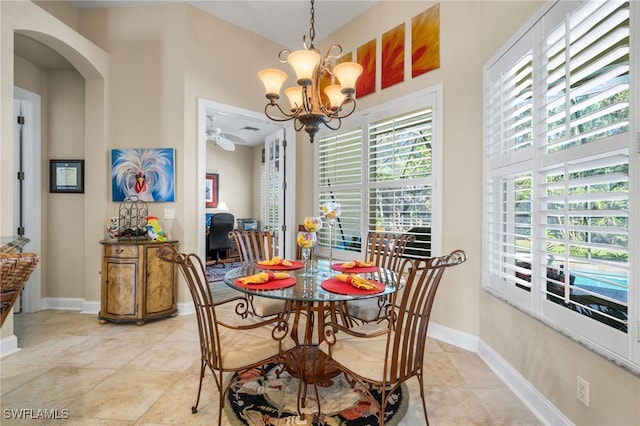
(309, 365)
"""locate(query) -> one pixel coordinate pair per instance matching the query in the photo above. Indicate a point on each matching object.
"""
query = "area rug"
(216, 272)
(252, 401)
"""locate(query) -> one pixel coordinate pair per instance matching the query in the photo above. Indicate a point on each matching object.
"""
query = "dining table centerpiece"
(313, 224)
(331, 211)
(306, 241)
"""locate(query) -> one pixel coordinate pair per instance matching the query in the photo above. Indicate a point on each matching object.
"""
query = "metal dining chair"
(254, 246)
(386, 250)
(227, 346)
(388, 353)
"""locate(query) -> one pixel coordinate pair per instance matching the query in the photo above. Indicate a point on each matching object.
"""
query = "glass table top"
(308, 288)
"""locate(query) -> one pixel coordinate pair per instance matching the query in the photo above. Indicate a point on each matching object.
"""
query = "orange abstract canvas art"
(425, 41)
(367, 58)
(392, 57)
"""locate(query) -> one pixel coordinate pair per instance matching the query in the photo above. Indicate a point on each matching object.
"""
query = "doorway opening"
(251, 133)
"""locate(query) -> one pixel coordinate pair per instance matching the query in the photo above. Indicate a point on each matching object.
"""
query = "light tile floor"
(123, 374)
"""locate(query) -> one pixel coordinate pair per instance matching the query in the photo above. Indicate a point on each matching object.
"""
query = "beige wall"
(90, 61)
(65, 212)
(161, 59)
(236, 178)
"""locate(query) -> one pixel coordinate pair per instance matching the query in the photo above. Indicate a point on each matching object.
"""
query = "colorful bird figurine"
(154, 230)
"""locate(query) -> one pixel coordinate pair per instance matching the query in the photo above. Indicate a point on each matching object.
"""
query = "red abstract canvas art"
(425, 41)
(367, 58)
(392, 57)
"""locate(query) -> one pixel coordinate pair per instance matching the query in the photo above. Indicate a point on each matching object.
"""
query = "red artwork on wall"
(392, 57)
(425, 41)
(367, 58)
(211, 190)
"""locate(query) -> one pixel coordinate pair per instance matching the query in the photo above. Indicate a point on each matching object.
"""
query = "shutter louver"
(588, 83)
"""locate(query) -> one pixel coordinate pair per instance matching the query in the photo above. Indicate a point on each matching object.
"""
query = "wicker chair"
(386, 354)
(253, 247)
(225, 346)
(15, 269)
(386, 250)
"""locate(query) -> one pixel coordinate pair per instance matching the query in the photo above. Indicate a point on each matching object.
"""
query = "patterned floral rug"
(252, 401)
(216, 272)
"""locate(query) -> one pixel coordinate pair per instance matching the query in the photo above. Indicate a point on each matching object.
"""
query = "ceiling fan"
(226, 141)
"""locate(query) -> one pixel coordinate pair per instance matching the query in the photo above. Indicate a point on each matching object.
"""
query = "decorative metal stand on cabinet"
(136, 284)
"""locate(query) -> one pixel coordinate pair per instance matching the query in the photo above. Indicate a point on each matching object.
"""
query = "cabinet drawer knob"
(119, 250)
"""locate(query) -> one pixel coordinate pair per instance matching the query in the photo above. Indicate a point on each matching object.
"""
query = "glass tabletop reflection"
(308, 288)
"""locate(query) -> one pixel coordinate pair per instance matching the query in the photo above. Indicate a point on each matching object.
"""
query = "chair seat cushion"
(266, 307)
(364, 309)
(363, 356)
(246, 347)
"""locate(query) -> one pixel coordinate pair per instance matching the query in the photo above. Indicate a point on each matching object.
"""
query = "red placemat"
(360, 270)
(269, 285)
(334, 285)
(294, 265)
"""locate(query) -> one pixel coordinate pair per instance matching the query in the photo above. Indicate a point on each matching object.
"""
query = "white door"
(273, 199)
(277, 204)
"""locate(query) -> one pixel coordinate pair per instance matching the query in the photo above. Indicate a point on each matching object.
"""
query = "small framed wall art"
(66, 176)
(211, 190)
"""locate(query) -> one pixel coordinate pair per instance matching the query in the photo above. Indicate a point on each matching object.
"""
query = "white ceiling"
(284, 22)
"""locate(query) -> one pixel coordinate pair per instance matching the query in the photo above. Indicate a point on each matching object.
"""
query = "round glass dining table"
(308, 306)
(308, 287)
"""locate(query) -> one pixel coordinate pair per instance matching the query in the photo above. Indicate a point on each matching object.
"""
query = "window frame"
(363, 119)
(614, 345)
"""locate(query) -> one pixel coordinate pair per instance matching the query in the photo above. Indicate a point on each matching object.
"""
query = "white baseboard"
(91, 307)
(62, 303)
(546, 412)
(457, 338)
(186, 308)
(8, 345)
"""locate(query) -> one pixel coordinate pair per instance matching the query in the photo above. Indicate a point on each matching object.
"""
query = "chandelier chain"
(312, 30)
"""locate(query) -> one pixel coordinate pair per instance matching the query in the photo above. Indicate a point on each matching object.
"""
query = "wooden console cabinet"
(136, 284)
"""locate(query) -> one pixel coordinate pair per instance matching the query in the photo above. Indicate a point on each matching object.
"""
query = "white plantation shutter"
(557, 174)
(509, 105)
(509, 232)
(586, 207)
(382, 173)
(400, 172)
(340, 181)
(585, 61)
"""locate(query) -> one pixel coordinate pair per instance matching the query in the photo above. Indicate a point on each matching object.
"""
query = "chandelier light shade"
(308, 108)
(272, 80)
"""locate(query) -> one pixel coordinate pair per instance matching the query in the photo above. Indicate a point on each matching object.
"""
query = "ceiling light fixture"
(308, 107)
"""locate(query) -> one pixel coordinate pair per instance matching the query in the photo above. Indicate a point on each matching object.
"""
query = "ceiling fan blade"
(226, 144)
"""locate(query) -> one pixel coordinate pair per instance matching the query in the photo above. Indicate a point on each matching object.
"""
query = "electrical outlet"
(583, 391)
(169, 214)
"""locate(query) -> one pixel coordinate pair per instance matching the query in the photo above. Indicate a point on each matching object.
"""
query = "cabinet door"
(160, 279)
(120, 297)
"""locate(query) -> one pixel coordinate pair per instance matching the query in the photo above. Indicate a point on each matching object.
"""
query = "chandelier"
(308, 108)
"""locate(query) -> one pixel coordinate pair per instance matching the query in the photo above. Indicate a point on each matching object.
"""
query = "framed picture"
(145, 174)
(66, 176)
(211, 190)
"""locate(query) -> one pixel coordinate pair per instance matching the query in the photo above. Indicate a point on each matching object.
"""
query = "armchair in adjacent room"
(218, 241)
